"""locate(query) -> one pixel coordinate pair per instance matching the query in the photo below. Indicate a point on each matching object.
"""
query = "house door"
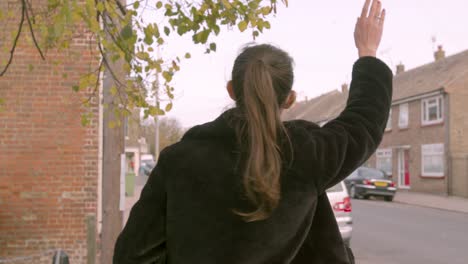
(403, 168)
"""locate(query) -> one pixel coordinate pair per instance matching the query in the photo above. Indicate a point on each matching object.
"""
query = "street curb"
(432, 207)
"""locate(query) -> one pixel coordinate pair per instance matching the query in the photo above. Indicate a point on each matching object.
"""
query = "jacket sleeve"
(346, 142)
(144, 236)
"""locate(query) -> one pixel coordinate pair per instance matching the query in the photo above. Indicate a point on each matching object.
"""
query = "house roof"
(318, 109)
(421, 80)
(430, 77)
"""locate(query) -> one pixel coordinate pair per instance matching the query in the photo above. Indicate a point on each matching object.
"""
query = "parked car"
(341, 204)
(147, 158)
(366, 182)
(145, 168)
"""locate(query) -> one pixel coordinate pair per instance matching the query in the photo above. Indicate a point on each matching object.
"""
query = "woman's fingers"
(382, 18)
(379, 9)
(365, 9)
(373, 11)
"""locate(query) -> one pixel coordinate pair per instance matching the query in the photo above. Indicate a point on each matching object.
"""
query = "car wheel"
(388, 198)
(352, 192)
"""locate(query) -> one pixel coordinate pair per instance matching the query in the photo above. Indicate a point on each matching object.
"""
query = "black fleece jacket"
(186, 206)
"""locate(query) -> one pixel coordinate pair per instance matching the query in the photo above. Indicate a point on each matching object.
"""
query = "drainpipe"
(448, 156)
(100, 154)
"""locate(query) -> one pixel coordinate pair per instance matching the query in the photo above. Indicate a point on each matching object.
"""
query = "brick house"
(425, 146)
(51, 166)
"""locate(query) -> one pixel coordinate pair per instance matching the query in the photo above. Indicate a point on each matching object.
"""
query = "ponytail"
(262, 78)
(263, 163)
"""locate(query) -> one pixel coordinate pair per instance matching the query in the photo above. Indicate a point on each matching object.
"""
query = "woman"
(248, 188)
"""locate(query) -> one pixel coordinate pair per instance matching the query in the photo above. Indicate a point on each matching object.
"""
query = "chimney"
(344, 88)
(400, 68)
(439, 54)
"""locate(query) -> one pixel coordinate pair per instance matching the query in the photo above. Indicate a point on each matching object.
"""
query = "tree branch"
(32, 32)
(96, 86)
(107, 64)
(121, 7)
(15, 42)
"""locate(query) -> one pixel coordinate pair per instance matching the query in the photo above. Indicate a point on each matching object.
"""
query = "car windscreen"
(336, 188)
(371, 173)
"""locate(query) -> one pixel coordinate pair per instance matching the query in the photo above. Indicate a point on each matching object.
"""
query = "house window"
(432, 110)
(384, 160)
(389, 122)
(432, 160)
(403, 118)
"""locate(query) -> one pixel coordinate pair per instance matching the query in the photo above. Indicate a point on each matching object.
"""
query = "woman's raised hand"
(369, 28)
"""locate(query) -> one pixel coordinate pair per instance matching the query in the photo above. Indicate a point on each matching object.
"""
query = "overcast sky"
(319, 36)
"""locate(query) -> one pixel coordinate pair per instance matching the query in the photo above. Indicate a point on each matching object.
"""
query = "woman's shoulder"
(300, 131)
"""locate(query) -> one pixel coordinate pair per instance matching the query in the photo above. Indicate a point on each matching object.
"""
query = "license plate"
(381, 184)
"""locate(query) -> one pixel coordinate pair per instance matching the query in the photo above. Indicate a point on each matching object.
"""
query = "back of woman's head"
(262, 79)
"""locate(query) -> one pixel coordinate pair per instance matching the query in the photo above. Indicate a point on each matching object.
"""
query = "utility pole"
(156, 127)
(156, 118)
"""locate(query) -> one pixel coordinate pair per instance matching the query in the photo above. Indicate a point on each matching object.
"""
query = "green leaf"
(227, 4)
(255, 34)
(115, 57)
(187, 55)
(112, 124)
(100, 7)
(266, 10)
(85, 120)
(216, 29)
(113, 90)
(167, 76)
(168, 107)
(136, 5)
(242, 25)
(154, 111)
(127, 32)
(142, 55)
(202, 37)
(175, 66)
(75, 88)
(213, 46)
(159, 5)
(160, 41)
(167, 31)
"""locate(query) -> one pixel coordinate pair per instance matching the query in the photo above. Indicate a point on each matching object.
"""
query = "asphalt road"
(393, 233)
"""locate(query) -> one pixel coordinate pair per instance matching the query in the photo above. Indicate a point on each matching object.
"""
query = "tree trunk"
(113, 147)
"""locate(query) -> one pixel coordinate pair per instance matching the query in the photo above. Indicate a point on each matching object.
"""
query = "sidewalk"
(131, 200)
(450, 203)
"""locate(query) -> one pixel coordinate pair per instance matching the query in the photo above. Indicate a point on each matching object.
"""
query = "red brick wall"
(48, 161)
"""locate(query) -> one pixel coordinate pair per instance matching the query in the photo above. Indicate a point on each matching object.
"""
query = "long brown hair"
(262, 79)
